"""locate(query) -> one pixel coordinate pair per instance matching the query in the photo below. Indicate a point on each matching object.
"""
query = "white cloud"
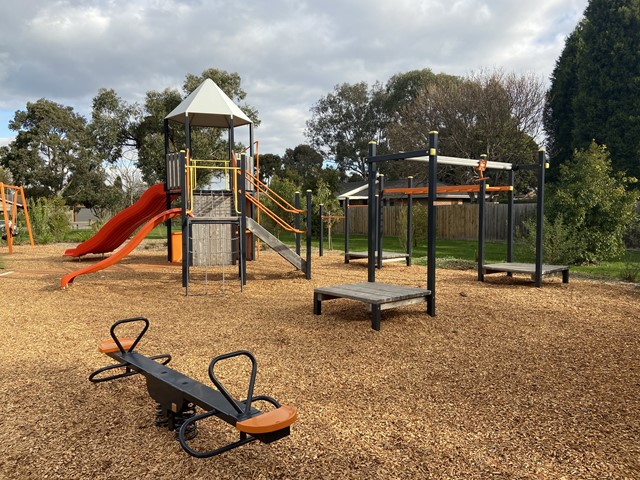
(288, 52)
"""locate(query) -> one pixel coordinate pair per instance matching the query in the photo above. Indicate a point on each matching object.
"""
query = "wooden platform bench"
(379, 296)
(525, 268)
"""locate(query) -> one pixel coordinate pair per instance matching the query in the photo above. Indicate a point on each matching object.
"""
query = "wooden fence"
(453, 222)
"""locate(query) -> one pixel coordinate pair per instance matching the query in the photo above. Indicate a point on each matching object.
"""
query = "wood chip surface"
(507, 381)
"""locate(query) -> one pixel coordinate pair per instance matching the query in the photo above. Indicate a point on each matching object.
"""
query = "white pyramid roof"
(209, 106)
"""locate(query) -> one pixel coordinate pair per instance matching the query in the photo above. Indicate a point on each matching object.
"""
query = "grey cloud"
(288, 53)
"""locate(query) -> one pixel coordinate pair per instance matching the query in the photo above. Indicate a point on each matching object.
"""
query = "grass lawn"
(450, 253)
(463, 254)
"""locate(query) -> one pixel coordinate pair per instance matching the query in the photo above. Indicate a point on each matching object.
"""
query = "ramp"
(280, 248)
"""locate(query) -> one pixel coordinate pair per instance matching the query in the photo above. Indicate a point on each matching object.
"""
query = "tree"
(121, 128)
(595, 89)
(304, 165)
(344, 122)
(113, 124)
(51, 143)
(324, 195)
(270, 165)
(594, 203)
(90, 189)
(558, 110)
(491, 113)
(5, 175)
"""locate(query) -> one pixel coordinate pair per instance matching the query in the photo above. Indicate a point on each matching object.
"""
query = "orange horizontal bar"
(447, 189)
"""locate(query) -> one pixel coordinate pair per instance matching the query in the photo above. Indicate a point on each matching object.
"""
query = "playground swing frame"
(10, 221)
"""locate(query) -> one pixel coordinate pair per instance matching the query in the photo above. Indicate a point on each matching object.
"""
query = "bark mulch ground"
(507, 381)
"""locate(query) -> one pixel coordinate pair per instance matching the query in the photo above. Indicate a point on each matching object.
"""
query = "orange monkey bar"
(447, 189)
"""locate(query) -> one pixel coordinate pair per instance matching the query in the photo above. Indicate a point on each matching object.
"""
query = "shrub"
(561, 246)
(593, 204)
(49, 221)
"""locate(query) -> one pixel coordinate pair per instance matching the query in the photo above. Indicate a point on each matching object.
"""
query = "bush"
(561, 247)
(593, 204)
(49, 221)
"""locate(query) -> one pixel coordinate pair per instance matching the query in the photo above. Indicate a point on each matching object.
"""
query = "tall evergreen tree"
(595, 91)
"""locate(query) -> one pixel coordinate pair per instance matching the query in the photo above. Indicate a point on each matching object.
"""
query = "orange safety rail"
(273, 216)
(262, 187)
(268, 422)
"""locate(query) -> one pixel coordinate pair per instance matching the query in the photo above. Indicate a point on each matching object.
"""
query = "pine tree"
(595, 91)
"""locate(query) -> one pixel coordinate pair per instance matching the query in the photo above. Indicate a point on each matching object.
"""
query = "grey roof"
(209, 106)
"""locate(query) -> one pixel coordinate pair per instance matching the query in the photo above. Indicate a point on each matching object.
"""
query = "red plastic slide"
(116, 231)
(126, 250)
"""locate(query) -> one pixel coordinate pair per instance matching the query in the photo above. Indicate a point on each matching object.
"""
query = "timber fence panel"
(453, 222)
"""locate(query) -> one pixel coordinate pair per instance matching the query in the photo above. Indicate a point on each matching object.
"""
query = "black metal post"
(481, 222)
(242, 241)
(184, 219)
(296, 223)
(165, 129)
(431, 222)
(510, 217)
(409, 221)
(320, 245)
(371, 210)
(380, 219)
(308, 270)
(542, 164)
(347, 226)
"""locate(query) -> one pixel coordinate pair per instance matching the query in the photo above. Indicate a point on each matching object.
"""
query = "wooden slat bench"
(526, 268)
(379, 296)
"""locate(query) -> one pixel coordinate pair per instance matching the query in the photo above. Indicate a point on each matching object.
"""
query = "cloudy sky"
(289, 53)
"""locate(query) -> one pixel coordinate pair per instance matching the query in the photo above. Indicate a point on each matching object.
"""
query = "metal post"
(481, 221)
(346, 230)
(380, 219)
(320, 246)
(371, 210)
(409, 221)
(308, 270)
(296, 223)
(431, 222)
(166, 187)
(242, 241)
(184, 219)
(542, 164)
(510, 217)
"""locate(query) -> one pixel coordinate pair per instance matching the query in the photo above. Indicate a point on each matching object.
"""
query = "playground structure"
(238, 205)
(11, 195)
(536, 270)
(178, 396)
(381, 296)
(219, 227)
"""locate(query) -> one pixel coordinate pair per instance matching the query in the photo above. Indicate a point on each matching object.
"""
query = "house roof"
(209, 106)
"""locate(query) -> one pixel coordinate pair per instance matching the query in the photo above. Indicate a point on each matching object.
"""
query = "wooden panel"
(212, 244)
(453, 222)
